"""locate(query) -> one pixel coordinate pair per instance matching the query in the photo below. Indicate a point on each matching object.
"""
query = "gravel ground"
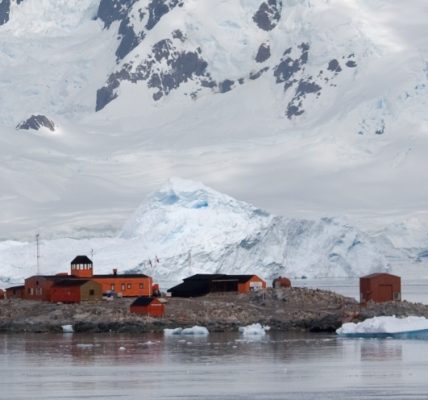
(281, 309)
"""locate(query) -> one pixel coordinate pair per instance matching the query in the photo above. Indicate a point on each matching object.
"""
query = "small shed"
(281, 282)
(148, 306)
(75, 291)
(380, 287)
(15, 292)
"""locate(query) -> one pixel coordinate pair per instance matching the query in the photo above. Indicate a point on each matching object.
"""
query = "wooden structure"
(15, 292)
(380, 287)
(75, 291)
(151, 306)
(281, 282)
(202, 284)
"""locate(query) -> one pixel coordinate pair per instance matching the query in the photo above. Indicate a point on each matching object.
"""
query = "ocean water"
(299, 366)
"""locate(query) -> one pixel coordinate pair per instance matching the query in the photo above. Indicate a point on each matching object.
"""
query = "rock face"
(268, 14)
(35, 122)
(180, 58)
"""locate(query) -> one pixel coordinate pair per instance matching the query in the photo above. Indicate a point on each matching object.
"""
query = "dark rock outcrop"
(268, 14)
(263, 54)
(36, 122)
(181, 66)
(110, 11)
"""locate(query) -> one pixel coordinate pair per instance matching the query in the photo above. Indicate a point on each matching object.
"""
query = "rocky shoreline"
(282, 309)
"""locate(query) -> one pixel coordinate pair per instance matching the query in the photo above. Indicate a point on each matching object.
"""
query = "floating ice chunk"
(121, 348)
(254, 330)
(379, 325)
(67, 328)
(195, 330)
(172, 332)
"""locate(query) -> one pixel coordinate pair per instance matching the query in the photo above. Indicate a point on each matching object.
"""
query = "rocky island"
(282, 309)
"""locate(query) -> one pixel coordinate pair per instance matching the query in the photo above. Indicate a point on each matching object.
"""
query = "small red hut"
(380, 287)
(281, 282)
(148, 306)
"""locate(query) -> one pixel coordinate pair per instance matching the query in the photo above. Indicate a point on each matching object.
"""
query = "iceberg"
(254, 330)
(67, 328)
(194, 330)
(404, 328)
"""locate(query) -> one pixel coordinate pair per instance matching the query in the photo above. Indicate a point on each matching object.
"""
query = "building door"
(385, 293)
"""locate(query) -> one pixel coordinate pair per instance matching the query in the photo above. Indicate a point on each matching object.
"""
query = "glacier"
(186, 227)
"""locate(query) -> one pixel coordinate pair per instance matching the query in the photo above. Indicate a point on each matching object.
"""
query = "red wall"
(380, 288)
(155, 309)
(121, 285)
(65, 294)
(246, 287)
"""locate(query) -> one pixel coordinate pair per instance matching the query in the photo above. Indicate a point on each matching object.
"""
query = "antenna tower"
(38, 253)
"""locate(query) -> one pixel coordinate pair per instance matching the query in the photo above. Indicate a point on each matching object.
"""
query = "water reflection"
(218, 366)
(381, 350)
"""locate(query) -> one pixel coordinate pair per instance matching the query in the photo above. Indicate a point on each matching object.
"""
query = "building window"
(28, 290)
(129, 286)
(92, 292)
(141, 286)
(112, 287)
(122, 287)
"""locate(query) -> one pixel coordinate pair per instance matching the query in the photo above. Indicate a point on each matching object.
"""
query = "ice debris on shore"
(67, 328)
(254, 330)
(194, 330)
(390, 324)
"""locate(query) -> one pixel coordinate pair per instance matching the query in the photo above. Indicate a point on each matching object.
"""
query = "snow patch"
(254, 330)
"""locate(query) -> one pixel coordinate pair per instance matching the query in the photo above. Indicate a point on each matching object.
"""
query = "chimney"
(114, 271)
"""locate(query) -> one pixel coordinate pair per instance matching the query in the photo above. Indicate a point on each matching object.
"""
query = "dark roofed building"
(202, 284)
(146, 305)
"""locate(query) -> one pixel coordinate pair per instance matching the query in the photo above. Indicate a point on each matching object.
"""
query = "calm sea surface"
(219, 366)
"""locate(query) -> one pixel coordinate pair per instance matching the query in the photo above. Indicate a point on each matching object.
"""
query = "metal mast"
(38, 253)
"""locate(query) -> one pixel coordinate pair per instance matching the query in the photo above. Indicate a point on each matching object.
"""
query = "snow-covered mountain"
(186, 228)
(306, 107)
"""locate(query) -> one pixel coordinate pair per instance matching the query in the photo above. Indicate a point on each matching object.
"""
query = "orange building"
(125, 285)
(40, 287)
(380, 287)
(151, 306)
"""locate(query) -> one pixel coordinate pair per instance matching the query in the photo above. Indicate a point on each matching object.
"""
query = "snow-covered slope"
(186, 228)
(305, 107)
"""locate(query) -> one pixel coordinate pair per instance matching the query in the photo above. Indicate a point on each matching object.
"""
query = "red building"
(15, 292)
(75, 291)
(281, 282)
(380, 287)
(151, 306)
(2, 294)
